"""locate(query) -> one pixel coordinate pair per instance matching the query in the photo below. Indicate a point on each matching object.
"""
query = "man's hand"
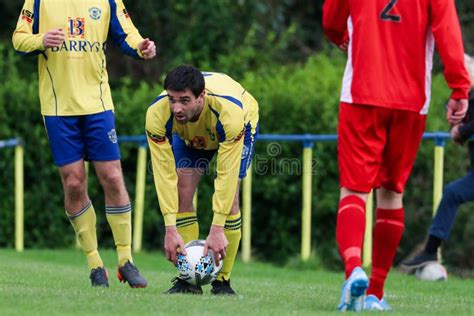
(217, 242)
(54, 38)
(344, 46)
(456, 111)
(147, 48)
(456, 135)
(173, 242)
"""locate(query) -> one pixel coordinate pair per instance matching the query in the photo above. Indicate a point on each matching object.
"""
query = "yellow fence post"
(438, 173)
(306, 212)
(19, 199)
(139, 199)
(369, 211)
(247, 216)
(438, 178)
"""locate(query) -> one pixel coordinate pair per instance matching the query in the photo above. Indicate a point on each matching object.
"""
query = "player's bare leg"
(119, 216)
(81, 214)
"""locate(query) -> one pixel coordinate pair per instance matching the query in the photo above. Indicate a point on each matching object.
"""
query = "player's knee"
(75, 184)
(113, 180)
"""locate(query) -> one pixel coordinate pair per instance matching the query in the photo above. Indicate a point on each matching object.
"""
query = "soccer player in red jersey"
(384, 101)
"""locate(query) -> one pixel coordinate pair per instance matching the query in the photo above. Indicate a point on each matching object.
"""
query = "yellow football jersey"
(228, 110)
(73, 78)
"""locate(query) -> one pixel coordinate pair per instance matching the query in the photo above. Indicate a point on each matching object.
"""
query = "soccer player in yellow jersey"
(69, 38)
(198, 115)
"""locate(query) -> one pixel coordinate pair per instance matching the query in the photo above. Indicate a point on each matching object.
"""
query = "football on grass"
(433, 271)
(195, 268)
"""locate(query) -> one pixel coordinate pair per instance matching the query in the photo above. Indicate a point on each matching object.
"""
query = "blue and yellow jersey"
(228, 110)
(72, 78)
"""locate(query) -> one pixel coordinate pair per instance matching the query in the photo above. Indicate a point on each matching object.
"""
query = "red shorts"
(377, 146)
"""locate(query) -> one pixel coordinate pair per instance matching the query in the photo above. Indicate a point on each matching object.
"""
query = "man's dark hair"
(185, 77)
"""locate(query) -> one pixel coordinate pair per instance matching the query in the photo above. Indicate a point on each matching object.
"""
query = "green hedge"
(297, 98)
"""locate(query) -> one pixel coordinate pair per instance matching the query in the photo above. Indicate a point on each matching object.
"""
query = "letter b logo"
(76, 27)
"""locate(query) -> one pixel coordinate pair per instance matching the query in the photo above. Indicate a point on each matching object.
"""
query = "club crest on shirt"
(198, 142)
(95, 13)
(112, 135)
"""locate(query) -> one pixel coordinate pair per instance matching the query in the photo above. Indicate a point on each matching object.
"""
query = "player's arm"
(335, 15)
(447, 34)
(126, 35)
(229, 157)
(163, 162)
(26, 38)
(165, 178)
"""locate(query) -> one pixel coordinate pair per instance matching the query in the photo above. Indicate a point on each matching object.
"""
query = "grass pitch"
(55, 282)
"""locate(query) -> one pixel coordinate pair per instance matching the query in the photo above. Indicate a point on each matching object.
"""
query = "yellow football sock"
(187, 226)
(120, 221)
(83, 223)
(233, 233)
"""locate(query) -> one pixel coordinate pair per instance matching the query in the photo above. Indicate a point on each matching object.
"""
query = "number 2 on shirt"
(385, 14)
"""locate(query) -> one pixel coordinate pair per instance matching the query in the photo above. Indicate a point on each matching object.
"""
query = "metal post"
(369, 211)
(19, 199)
(247, 216)
(438, 178)
(438, 173)
(139, 199)
(306, 212)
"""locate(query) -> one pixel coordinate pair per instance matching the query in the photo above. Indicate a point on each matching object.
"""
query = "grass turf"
(51, 282)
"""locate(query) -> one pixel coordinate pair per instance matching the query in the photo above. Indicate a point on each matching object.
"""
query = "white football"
(195, 268)
(433, 271)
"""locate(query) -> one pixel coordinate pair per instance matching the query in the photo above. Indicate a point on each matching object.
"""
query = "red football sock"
(387, 234)
(350, 230)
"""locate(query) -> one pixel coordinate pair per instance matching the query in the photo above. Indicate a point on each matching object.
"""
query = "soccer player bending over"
(197, 116)
(384, 102)
(69, 38)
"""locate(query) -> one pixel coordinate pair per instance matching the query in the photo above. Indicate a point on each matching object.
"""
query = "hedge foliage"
(294, 99)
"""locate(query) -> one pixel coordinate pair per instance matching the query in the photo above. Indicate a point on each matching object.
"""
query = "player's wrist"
(216, 229)
(170, 219)
(219, 219)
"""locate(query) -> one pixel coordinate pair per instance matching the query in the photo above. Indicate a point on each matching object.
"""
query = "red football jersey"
(391, 46)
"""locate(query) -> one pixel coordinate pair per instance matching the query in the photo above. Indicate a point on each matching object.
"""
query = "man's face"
(185, 106)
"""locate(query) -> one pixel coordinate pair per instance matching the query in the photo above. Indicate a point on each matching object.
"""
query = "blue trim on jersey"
(117, 33)
(229, 98)
(169, 128)
(36, 12)
(219, 127)
(248, 150)
(33, 53)
(207, 74)
(36, 16)
(158, 99)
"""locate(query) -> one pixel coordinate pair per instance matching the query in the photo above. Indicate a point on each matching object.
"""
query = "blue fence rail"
(307, 141)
